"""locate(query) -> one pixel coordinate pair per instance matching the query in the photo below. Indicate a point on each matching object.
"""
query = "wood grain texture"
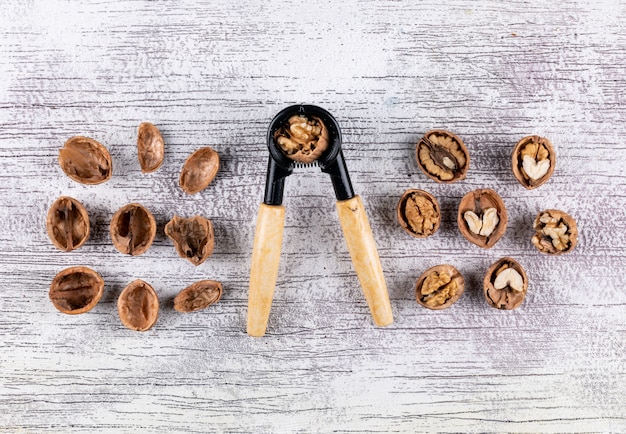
(214, 73)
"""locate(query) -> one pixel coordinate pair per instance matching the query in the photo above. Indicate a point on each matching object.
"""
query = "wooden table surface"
(215, 73)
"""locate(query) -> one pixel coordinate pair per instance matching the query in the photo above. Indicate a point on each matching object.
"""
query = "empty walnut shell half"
(505, 284)
(150, 147)
(555, 232)
(85, 160)
(67, 224)
(192, 237)
(76, 290)
(442, 156)
(418, 213)
(138, 306)
(198, 296)
(533, 161)
(199, 170)
(482, 217)
(439, 287)
(302, 138)
(132, 229)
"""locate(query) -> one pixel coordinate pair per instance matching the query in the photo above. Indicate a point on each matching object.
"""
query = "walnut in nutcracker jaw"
(302, 138)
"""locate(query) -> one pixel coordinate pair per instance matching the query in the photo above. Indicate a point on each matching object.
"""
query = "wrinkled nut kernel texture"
(133, 229)
(555, 232)
(442, 156)
(418, 213)
(76, 290)
(67, 224)
(302, 138)
(439, 287)
(198, 296)
(138, 306)
(192, 237)
(199, 170)
(85, 160)
(482, 217)
(505, 284)
(533, 161)
(150, 147)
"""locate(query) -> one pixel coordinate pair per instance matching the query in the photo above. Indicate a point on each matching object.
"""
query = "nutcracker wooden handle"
(268, 239)
(362, 248)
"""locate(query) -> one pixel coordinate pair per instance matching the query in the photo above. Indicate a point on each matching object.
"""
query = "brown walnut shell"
(482, 217)
(76, 290)
(439, 287)
(302, 138)
(67, 224)
(85, 160)
(442, 156)
(138, 306)
(133, 229)
(150, 147)
(556, 232)
(419, 213)
(508, 291)
(199, 170)
(198, 296)
(533, 161)
(192, 237)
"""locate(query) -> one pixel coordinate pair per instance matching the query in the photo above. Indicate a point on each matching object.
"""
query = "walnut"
(556, 232)
(198, 296)
(199, 170)
(418, 213)
(482, 217)
(138, 306)
(505, 284)
(85, 160)
(442, 156)
(150, 147)
(192, 237)
(133, 229)
(76, 290)
(67, 224)
(439, 287)
(533, 161)
(302, 138)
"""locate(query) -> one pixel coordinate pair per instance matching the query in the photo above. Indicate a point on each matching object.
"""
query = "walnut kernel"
(418, 213)
(442, 156)
(482, 217)
(302, 138)
(505, 284)
(556, 232)
(533, 161)
(439, 287)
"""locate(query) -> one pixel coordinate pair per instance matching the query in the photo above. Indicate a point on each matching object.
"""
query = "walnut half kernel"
(442, 156)
(505, 284)
(419, 213)
(533, 161)
(302, 138)
(555, 232)
(439, 287)
(482, 217)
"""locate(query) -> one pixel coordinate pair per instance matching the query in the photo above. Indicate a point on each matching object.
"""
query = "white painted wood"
(214, 73)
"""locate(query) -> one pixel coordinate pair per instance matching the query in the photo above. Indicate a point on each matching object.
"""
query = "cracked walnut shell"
(150, 147)
(85, 160)
(138, 306)
(76, 290)
(67, 224)
(198, 296)
(555, 232)
(133, 229)
(482, 217)
(533, 161)
(199, 170)
(302, 138)
(439, 287)
(192, 237)
(418, 213)
(442, 156)
(505, 284)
